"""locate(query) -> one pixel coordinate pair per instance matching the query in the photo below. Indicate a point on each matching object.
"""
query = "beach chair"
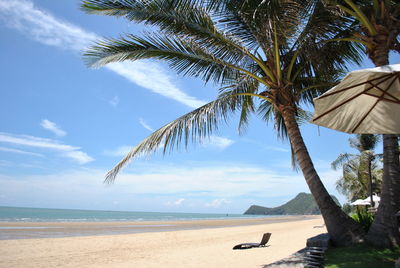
(263, 243)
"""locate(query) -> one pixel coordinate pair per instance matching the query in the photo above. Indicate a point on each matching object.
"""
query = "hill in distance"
(302, 204)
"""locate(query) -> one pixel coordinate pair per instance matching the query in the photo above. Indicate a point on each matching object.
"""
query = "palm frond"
(341, 160)
(181, 18)
(191, 127)
(240, 88)
(184, 56)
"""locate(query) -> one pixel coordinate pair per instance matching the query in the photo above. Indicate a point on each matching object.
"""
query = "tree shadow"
(294, 260)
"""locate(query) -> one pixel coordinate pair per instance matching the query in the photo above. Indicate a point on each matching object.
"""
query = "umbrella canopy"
(366, 201)
(361, 202)
(375, 198)
(365, 101)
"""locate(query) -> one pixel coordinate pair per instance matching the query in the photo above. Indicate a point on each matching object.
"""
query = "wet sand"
(24, 230)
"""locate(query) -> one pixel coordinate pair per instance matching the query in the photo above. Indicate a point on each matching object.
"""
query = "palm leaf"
(184, 56)
(191, 127)
(341, 160)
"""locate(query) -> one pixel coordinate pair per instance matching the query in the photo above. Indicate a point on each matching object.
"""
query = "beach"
(201, 243)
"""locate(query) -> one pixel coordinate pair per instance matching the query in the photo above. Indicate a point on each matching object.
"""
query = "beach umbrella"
(361, 202)
(375, 198)
(366, 201)
(365, 101)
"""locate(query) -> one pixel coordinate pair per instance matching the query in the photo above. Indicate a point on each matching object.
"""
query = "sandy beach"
(208, 245)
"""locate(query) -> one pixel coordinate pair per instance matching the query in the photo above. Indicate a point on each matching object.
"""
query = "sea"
(29, 223)
(21, 214)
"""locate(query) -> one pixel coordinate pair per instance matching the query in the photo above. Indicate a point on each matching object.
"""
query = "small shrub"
(364, 218)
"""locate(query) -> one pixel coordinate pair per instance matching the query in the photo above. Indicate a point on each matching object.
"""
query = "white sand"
(189, 248)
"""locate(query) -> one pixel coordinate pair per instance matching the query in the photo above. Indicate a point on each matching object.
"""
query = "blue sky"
(63, 126)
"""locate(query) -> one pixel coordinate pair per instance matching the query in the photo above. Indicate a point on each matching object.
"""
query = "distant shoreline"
(26, 214)
(10, 230)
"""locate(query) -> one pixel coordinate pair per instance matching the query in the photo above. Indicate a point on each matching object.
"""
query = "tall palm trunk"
(371, 192)
(384, 231)
(342, 229)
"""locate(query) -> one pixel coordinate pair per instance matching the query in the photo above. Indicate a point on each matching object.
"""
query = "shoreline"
(207, 247)
(32, 230)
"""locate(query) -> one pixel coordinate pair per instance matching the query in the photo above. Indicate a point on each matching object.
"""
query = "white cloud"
(229, 181)
(216, 203)
(145, 125)
(31, 141)
(152, 77)
(160, 184)
(114, 101)
(267, 147)
(277, 149)
(42, 26)
(49, 30)
(218, 142)
(36, 142)
(78, 156)
(222, 180)
(120, 151)
(16, 151)
(51, 126)
(178, 202)
(123, 150)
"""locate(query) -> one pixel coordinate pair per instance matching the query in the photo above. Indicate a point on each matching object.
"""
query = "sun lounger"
(263, 243)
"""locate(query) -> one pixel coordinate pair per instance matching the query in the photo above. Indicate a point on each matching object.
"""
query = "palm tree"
(376, 25)
(361, 173)
(267, 56)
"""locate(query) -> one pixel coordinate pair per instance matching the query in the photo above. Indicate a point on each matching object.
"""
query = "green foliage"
(361, 256)
(347, 208)
(357, 168)
(302, 204)
(363, 217)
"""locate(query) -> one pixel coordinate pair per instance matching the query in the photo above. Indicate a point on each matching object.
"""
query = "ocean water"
(27, 223)
(18, 214)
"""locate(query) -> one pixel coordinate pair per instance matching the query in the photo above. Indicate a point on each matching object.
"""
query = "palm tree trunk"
(371, 193)
(384, 231)
(342, 229)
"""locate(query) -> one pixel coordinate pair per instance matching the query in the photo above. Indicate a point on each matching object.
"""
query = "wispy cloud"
(277, 149)
(51, 126)
(16, 151)
(216, 203)
(114, 101)
(152, 77)
(31, 141)
(43, 27)
(145, 125)
(203, 187)
(222, 180)
(69, 151)
(218, 142)
(176, 203)
(182, 182)
(266, 147)
(79, 156)
(120, 151)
